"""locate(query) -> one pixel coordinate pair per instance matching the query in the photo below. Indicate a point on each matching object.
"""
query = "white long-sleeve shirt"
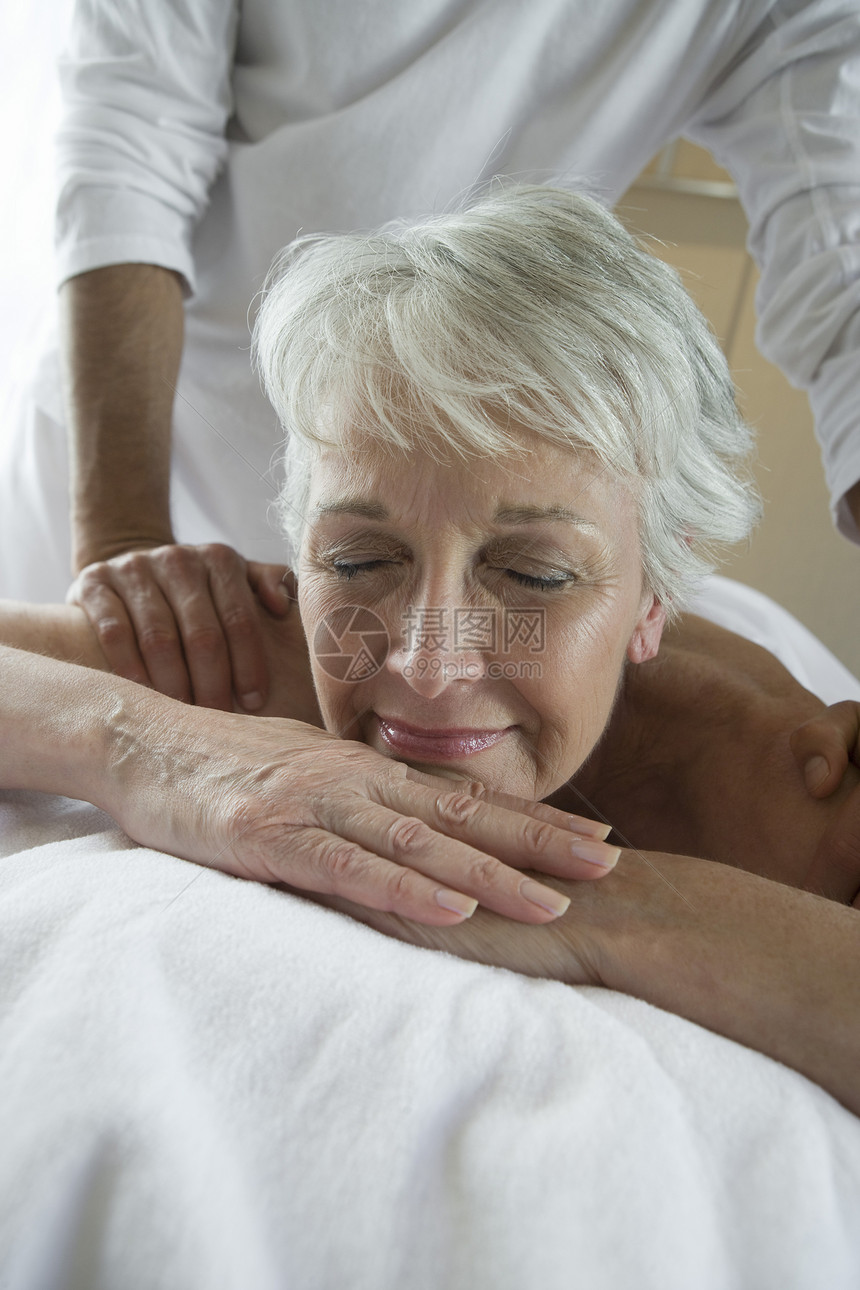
(202, 135)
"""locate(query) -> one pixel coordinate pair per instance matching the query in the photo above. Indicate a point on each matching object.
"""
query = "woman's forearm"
(59, 631)
(545, 950)
(771, 967)
(766, 965)
(760, 962)
(54, 724)
(64, 632)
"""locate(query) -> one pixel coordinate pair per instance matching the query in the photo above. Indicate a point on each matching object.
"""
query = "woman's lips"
(436, 745)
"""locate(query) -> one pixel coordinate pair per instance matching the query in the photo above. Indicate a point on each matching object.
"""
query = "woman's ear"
(645, 641)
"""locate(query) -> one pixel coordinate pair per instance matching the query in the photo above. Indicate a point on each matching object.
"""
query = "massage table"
(208, 1084)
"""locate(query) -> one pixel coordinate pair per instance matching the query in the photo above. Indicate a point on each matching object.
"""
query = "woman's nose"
(442, 644)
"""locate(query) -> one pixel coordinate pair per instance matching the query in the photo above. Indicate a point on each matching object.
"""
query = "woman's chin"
(495, 779)
(433, 768)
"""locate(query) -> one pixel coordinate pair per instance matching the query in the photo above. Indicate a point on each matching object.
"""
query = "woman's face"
(510, 594)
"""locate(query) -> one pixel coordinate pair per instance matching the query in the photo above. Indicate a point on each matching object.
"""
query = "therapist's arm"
(175, 617)
(122, 336)
(827, 751)
(699, 760)
(852, 501)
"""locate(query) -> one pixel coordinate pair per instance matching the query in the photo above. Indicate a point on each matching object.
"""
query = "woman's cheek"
(325, 605)
(574, 695)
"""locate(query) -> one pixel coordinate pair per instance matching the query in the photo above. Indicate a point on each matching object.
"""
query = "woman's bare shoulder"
(697, 759)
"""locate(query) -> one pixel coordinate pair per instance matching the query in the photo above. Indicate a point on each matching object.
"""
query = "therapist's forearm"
(122, 334)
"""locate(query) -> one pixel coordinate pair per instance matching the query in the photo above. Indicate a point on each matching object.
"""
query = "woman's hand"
(278, 801)
(569, 949)
(184, 620)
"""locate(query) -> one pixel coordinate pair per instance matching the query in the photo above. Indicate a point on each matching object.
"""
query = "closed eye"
(540, 584)
(346, 569)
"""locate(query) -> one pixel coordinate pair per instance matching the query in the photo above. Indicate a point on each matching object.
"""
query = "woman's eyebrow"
(505, 514)
(531, 514)
(353, 506)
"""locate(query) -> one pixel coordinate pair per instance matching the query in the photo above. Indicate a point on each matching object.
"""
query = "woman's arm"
(708, 721)
(64, 632)
(270, 799)
(763, 964)
(771, 967)
(698, 755)
(58, 631)
(54, 724)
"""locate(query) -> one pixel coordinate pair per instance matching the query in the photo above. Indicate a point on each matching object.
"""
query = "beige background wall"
(795, 556)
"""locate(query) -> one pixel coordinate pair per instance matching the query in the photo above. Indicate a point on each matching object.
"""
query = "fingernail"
(815, 772)
(456, 902)
(253, 700)
(591, 828)
(549, 899)
(599, 853)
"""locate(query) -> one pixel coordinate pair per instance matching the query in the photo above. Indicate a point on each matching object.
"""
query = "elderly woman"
(512, 450)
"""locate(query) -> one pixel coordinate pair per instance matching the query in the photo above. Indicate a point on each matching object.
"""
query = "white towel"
(753, 615)
(208, 1083)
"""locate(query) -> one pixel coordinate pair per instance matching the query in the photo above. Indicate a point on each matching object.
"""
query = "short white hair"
(530, 307)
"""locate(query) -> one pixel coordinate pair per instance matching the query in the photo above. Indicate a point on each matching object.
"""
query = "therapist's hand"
(183, 620)
(824, 745)
(823, 748)
(277, 801)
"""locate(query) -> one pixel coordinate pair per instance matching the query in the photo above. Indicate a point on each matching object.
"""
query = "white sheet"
(207, 1083)
(753, 615)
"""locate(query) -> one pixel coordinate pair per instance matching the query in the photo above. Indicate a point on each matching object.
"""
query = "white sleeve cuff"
(152, 233)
